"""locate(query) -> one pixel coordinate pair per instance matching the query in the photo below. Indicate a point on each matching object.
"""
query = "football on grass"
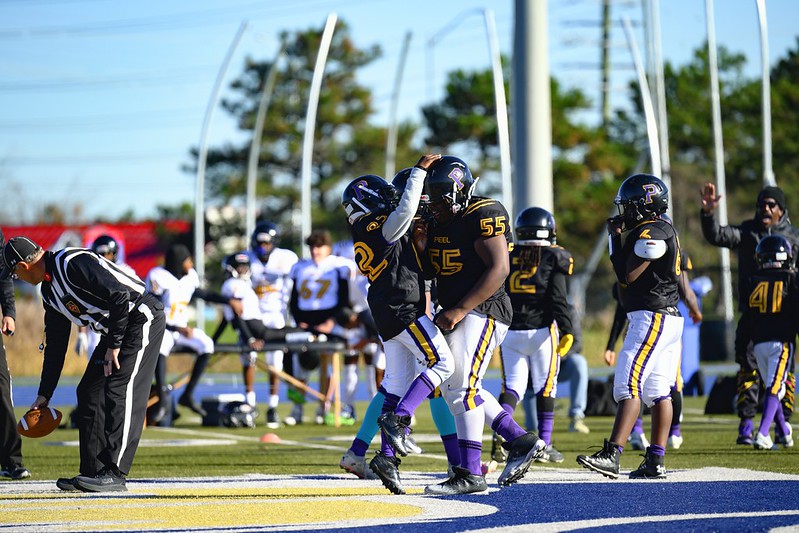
(39, 422)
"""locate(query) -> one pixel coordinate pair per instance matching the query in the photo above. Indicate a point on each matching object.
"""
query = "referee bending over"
(82, 287)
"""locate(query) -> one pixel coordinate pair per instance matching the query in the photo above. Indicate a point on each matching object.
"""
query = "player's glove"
(82, 343)
(565, 344)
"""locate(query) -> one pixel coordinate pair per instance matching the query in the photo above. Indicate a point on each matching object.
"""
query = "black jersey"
(396, 291)
(772, 306)
(457, 265)
(538, 292)
(656, 288)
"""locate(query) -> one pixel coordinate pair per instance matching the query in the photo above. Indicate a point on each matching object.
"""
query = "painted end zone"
(547, 499)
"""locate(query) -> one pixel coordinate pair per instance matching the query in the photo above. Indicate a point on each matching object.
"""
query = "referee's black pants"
(10, 441)
(111, 410)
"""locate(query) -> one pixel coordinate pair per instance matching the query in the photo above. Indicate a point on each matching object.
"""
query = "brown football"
(39, 422)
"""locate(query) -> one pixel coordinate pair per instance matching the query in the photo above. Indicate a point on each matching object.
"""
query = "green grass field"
(313, 449)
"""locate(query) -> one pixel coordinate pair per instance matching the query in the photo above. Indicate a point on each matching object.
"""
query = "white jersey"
(174, 293)
(241, 290)
(271, 280)
(346, 249)
(317, 286)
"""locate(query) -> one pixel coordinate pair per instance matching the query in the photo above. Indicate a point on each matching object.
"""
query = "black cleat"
(272, 418)
(104, 481)
(652, 467)
(188, 401)
(605, 461)
(498, 451)
(523, 451)
(387, 469)
(393, 428)
(66, 484)
(462, 482)
(15, 472)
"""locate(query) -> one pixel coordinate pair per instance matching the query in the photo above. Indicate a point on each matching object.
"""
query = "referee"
(81, 287)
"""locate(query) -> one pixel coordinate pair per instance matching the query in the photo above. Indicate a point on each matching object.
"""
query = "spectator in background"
(771, 217)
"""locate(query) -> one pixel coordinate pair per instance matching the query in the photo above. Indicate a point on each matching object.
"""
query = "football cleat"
(462, 482)
(605, 461)
(638, 441)
(15, 472)
(356, 465)
(272, 418)
(498, 452)
(393, 427)
(411, 446)
(523, 451)
(577, 425)
(387, 469)
(674, 442)
(787, 439)
(651, 467)
(295, 417)
(550, 455)
(763, 442)
(188, 401)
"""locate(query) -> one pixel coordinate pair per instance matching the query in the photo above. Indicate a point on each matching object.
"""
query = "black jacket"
(744, 238)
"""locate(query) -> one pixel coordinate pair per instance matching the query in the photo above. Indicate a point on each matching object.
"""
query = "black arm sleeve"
(561, 311)
(209, 296)
(7, 298)
(619, 320)
(57, 329)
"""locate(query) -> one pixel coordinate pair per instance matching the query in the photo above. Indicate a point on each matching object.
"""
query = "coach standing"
(81, 287)
(771, 217)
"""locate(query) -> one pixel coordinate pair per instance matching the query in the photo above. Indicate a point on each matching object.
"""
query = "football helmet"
(264, 239)
(535, 226)
(641, 197)
(400, 181)
(449, 182)
(105, 244)
(774, 252)
(367, 194)
(238, 414)
(238, 265)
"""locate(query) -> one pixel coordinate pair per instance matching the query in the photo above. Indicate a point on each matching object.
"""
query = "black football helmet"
(264, 238)
(449, 181)
(367, 194)
(774, 252)
(238, 265)
(104, 245)
(400, 181)
(535, 226)
(641, 197)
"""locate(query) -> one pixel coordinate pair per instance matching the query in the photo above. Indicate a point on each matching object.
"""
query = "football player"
(269, 274)
(541, 331)
(176, 284)
(380, 224)
(322, 300)
(772, 331)
(465, 248)
(647, 266)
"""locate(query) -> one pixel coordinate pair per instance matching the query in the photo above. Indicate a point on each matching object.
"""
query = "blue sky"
(100, 100)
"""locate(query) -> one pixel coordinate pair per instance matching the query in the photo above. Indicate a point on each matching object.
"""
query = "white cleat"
(674, 442)
(763, 442)
(638, 441)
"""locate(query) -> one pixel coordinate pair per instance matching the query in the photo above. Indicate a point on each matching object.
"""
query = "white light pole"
(768, 171)
(202, 157)
(391, 134)
(310, 128)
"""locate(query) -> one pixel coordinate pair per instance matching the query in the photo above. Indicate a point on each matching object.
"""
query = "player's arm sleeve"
(400, 220)
(7, 298)
(619, 319)
(561, 310)
(57, 329)
(722, 236)
(210, 296)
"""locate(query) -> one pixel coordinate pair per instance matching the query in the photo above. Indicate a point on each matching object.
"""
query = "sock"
(160, 379)
(770, 407)
(389, 404)
(639, 425)
(368, 429)
(196, 373)
(545, 408)
(782, 428)
(350, 382)
(442, 417)
(274, 400)
(417, 392)
(470, 439)
(359, 447)
(746, 427)
(251, 397)
(659, 451)
(506, 427)
(508, 400)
